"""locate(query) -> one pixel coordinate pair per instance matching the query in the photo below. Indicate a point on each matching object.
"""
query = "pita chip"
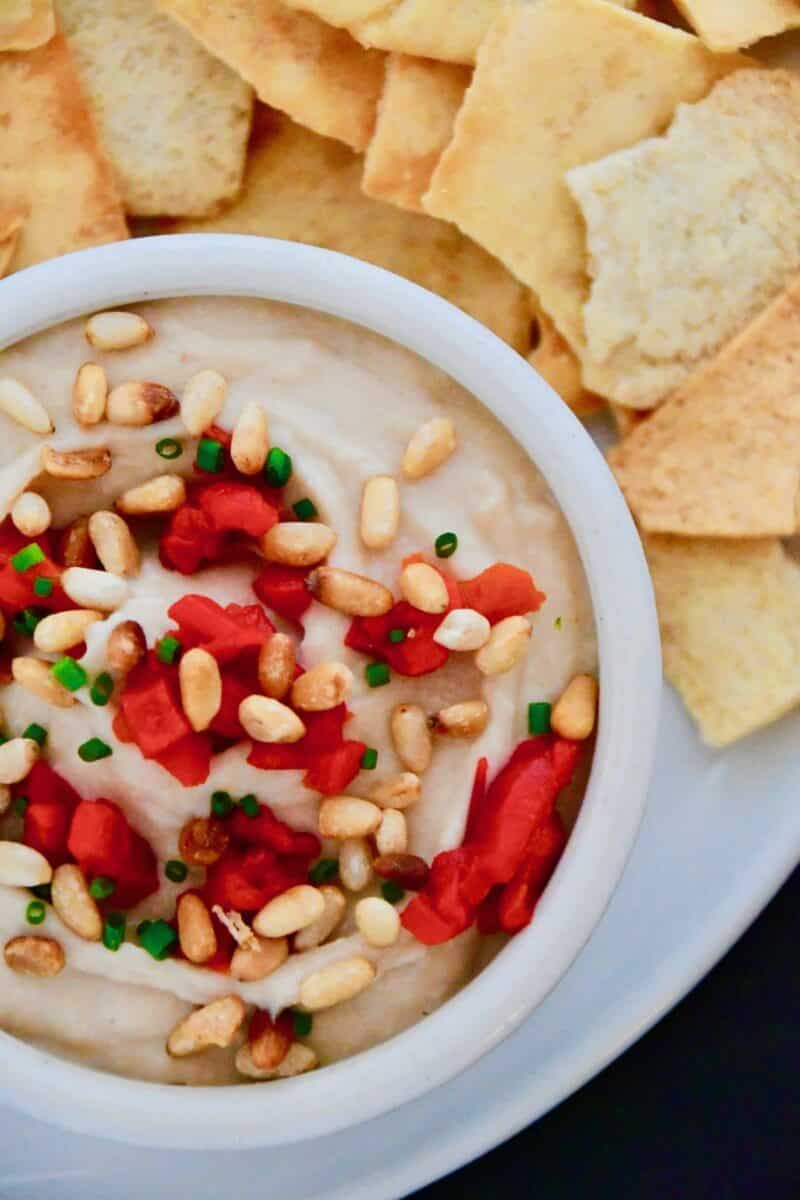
(731, 24)
(11, 221)
(553, 358)
(26, 24)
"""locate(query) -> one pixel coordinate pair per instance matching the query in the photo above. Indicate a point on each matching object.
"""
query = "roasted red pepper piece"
(330, 773)
(189, 540)
(246, 880)
(478, 795)
(268, 830)
(518, 898)
(188, 760)
(284, 590)
(330, 761)
(103, 843)
(500, 591)
(234, 507)
(150, 704)
(226, 633)
(51, 803)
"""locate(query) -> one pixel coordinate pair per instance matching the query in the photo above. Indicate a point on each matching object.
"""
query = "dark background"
(706, 1106)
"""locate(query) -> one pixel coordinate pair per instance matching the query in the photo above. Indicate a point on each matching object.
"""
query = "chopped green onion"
(35, 913)
(175, 870)
(102, 689)
(37, 733)
(221, 804)
(94, 750)
(305, 510)
(25, 622)
(369, 759)
(209, 455)
(324, 870)
(113, 931)
(250, 805)
(377, 674)
(302, 1024)
(397, 635)
(43, 891)
(29, 556)
(539, 717)
(558, 622)
(43, 586)
(69, 673)
(157, 938)
(102, 887)
(21, 805)
(392, 891)
(168, 649)
(169, 448)
(445, 545)
(278, 469)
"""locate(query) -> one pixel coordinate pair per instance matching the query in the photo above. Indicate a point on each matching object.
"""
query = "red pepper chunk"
(234, 507)
(330, 761)
(189, 540)
(151, 707)
(51, 803)
(226, 633)
(284, 590)
(501, 591)
(518, 898)
(103, 843)
(16, 587)
(246, 880)
(330, 773)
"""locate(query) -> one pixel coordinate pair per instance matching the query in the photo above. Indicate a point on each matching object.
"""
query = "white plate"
(721, 834)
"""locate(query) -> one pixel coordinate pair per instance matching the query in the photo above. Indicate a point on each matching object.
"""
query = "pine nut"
(430, 446)
(117, 330)
(126, 646)
(290, 911)
(298, 543)
(140, 403)
(320, 930)
(322, 687)
(251, 963)
(467, 719)
(216, 1024)
(41, 956)
(90, 463)
(114, 544)
(392, 834)
(203, 400)
(61, 630)
(202, 842)
(195, 929)
(201, 687)
(575, 713)
(336, 983)
(74, 903)
(276, 664)
(463, 629)
(94, 589)
(250, 441)
(163, 494)
(299, 1059)
(377, 921)
(348, 817)
(411, 737)
(89, 394)
(506, 646)
(267, 720)
(407, 870)
(423, 587)
(269, 1048)
(35, 676)
(22, 866)
(380, 512)
(22, 407)
(355, 864)
(351, 594)
(236, 926)
(398, 791)
(5, 798)
(31, 514)
(76, 549)
(17, 757)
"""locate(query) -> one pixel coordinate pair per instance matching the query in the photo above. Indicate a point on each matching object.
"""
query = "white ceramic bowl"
(490, 1007)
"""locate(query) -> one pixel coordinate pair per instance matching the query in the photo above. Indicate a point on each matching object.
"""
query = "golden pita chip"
(11, 222)
(318, 75)
(556, 363)
(558, 83)
(51, 163)
(26, 24)
(416, 114)
(731, 24)
(627, 419)
(728, 612)
(308, 189)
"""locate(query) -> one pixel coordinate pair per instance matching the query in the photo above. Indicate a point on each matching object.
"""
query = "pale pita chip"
(308, 189)
(26, 24)
(558, 83)
(317, 74)
(51, 163)
(731, 24)
(730, 632)
(553, 358)
(416, 115)
(690, 235)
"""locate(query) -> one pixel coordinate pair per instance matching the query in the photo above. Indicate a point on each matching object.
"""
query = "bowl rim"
(493, 1004)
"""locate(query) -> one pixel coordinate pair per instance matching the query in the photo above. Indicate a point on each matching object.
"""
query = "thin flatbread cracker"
(730, 633)
(416, 115)
(308, 189)
(553, 358)
(51, 162)
(732, 24)
(26, 24)
(558, 83)
(317, 74)
(11, 221)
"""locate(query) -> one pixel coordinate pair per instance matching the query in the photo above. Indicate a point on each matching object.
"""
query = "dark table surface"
(705, 1107)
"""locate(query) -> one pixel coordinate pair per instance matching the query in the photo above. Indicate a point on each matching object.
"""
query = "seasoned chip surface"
(26, 24)
(731, 24)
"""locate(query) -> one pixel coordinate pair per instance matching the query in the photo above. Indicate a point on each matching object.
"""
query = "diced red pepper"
(273, 757)
(269, 831)
(234, 690)
(151, 707)
(330, 761)
(234, 507)
(478, 795)
(188, 760)
(500, 591)
(330, 773)
(51, 803)
(189, 540)
(519, 896)
(247, 880)
(226, 633)
(103, 843)
(284, 590)
(487, 919)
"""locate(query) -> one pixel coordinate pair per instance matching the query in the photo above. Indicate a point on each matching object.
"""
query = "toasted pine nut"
(35, 676)
(140, 402)
(269, 1048)
(506, 646)
(22, 866)
(250, 441)
(195, 929)
(321, 929)
(94, 589)
(351, 594)
(202, 401)
(22, 406)
(298, 543)
(236, 926)
(378, 921)
(575, 713)
(75, 548)
(276, 663)
(89, 394)
(251, 963)
(31, 514)
(163, 494)
(423, 587)
(429, 447)
(59, 631)
(355, 864)
(299, 1059)
(267, 720)
(216, 1024)
(290, 911)
(117, 330)
(5, 798)
(335, 983)
(322, 687)
(411, 737)
(467, 719)
(41, 956)
(202, 841)
(380, 512)
(90, 463)
(392, 834)
(347, 817)
(126, 646)
(398, 791)
(113, 541)
(463, 629)
(407, 870)
(17, 757)
(201, 687)
(74, 904)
